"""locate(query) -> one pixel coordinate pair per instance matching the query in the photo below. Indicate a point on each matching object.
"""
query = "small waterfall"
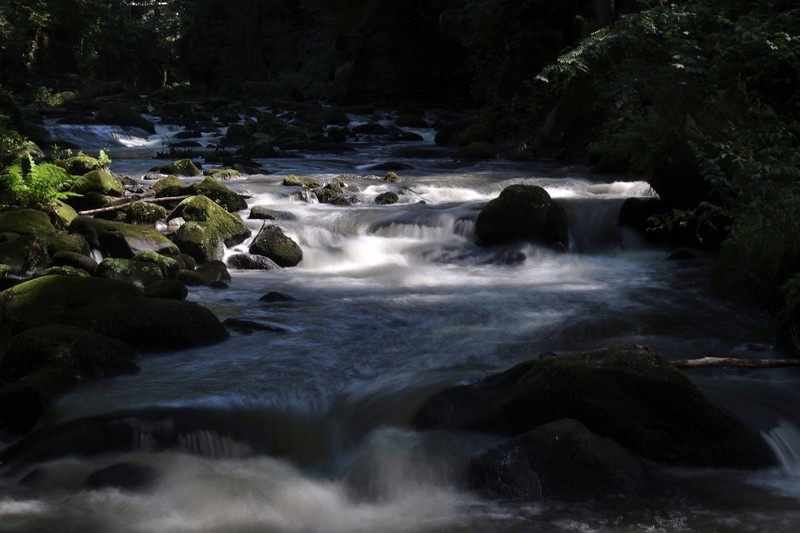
(592, 224)
(784, 439)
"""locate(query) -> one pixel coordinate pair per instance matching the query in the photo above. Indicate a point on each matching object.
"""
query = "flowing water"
(308, 429)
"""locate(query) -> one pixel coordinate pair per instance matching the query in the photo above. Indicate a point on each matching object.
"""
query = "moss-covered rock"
(300, 181)
(181, 167)
(101, 181)
(628, 394)
(273, 243)
(392, 177)
(521, 212)
(44, 361)
(169, 266)
(145, 213)
(64, 213)
(222, 173)
(63, 270)
(208, 227)
(139, 273)
(26, 222)
(117, 239)
(113, 308)
(561, 460)
(80, 164)
(219, 193)
(169, 186)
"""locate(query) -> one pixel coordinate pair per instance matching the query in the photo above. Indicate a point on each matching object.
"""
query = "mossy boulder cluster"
(78, 317)
(593, 414)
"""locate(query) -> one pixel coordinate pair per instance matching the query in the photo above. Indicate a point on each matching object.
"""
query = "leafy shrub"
(36, 185)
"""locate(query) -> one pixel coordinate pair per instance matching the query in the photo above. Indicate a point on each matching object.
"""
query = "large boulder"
(28, 240)
(113, 308)
(208, 227)
(628, 394)
(44, 361)
(561, 460)
(101, 181)
(273, 243)
(521, 212)
(117, 239)
(219, 193)
(181, 167)
(80, 164)
(139, 273)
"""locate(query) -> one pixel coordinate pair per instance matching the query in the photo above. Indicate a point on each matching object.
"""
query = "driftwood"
(130, 201)
(736, 362)
(165, 199)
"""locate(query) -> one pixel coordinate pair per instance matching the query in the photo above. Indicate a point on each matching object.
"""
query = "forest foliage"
(701, 97)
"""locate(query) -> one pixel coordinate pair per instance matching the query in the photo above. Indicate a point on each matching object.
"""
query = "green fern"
(36, 185)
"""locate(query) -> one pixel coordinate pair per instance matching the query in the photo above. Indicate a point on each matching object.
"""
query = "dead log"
(704, 362)
(130, 201)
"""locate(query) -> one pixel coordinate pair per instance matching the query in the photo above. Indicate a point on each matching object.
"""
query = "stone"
(139, 273)
(521, 212)
(251, 262)
(627, 394)
(387, 198)
(117, 239)
(101, 181)
(208, 228)
(273, 243)
(562, 460)
(181, 167)
(113, 308)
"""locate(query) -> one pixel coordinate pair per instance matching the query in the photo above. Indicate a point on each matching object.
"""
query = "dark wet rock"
(124, 476)
(681, 255)
(116, 309)
(272, 242)
(272, 297)
(370, 128)
(117, 239)
(477, 150)
(260, 212)
(214, 271)
(43, 361)
(329, 196)
(410, 121)
(562, 460)
(521, 212)
(635, 213)
(75, 259)
(63, 271)
(392, 177)
(171, 289)
(251, 262)
(628, 394)
(387, 198)
(250, 326)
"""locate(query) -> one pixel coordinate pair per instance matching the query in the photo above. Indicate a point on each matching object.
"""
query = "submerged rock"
(628, 394)
(561, 460)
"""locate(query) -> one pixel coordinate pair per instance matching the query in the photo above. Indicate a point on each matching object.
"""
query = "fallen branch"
(132, 200)
(129, 201)
(733, 361)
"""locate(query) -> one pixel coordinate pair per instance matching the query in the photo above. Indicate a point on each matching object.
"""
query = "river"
(307, 429)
